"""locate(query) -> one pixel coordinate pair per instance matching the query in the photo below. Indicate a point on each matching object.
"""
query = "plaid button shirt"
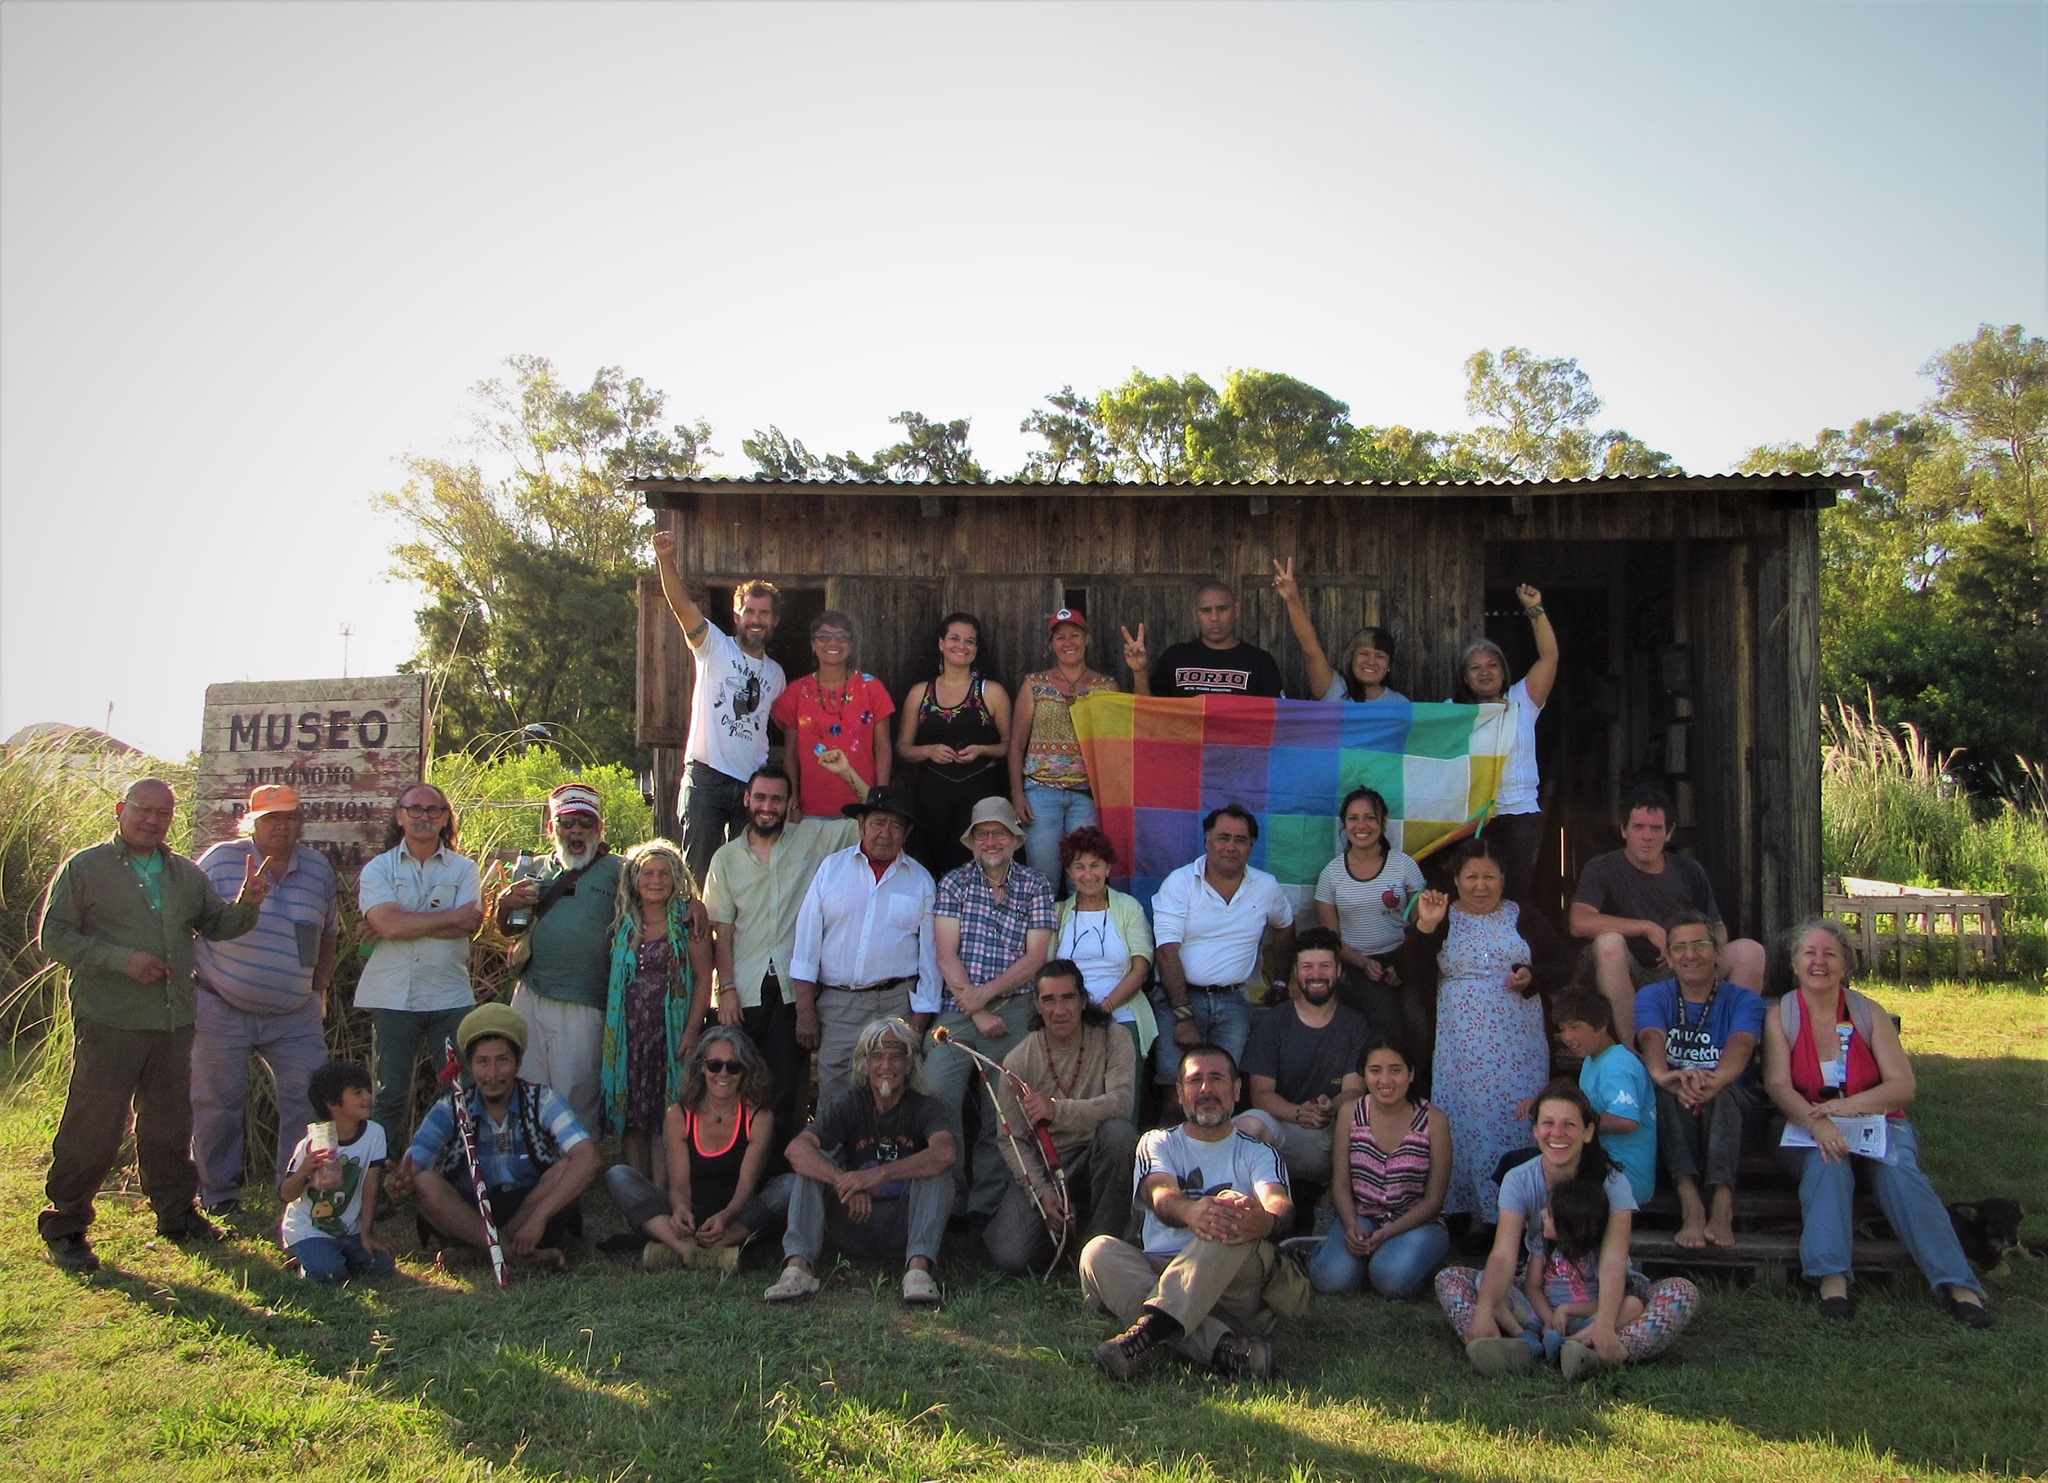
(992, 932)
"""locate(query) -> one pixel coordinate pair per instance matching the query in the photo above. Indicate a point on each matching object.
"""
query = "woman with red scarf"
(1835, 1068)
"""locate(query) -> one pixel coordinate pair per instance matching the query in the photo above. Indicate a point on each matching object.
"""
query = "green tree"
(1267, 425)
(1993, 391)
(927, 452)
(1075, 445)
(1932, 582)
(1538, 421)
(529, 555)
(1147, 423)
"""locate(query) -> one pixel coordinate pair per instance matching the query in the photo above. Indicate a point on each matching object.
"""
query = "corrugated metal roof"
(1827, 479)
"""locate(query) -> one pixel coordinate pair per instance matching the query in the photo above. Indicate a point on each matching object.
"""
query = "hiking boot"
(795, 1282)
(73, 1253)
(1132, 1352)
(714, 1258)
(190, 1226)
(1243, 1357)
(225, 1208)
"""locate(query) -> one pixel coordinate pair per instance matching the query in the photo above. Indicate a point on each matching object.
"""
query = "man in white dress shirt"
(865, 948)
(1210, 918)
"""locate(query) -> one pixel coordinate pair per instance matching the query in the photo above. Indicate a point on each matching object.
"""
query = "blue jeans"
(1224, 1020)
(1827, 1194)
(402, 1037)
(336, 1259)
(912, 1223)
(712, 805)
(1401, 1268)
(1055, 813)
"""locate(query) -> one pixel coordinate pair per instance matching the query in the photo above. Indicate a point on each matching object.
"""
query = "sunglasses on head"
(723, 1068)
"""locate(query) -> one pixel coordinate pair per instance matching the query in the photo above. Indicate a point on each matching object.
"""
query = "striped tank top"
(1383, 1185)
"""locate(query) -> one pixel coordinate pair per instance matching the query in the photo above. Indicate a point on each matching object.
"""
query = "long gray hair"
(889, 1027)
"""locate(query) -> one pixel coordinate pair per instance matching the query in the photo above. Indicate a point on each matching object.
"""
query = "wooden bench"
(1767, 1222)
(1909, 931)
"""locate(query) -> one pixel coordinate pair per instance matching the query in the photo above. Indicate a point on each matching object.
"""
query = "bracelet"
(1183, 1012)
(1532, 614)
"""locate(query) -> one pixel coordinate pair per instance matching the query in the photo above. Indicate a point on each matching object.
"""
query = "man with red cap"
(263, 993)
(565, 973)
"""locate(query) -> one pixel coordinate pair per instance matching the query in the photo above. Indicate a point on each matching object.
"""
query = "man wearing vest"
(565, 971)
(536, 1158)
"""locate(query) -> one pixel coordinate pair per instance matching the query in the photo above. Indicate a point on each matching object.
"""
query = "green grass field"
(222, 1364)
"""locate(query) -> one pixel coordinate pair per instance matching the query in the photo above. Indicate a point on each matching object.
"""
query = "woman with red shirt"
(839, 707)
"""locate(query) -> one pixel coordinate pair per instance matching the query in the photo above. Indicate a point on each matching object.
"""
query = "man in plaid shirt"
(993, 925)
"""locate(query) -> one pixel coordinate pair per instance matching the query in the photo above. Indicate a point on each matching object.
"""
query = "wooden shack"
(1687, 609)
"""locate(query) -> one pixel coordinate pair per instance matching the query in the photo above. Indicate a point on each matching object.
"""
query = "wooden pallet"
(1767, 1223)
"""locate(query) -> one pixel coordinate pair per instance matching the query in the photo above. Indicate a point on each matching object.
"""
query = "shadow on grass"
(607, 1372)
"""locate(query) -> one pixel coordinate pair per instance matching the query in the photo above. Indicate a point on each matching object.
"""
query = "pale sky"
(250, 254)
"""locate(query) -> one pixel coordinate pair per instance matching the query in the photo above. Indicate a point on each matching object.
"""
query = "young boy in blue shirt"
(1615, 1081)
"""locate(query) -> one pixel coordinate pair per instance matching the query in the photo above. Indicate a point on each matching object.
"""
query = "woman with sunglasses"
(956, 727)
(718, 1135)
(1048, 776)
(836, 708)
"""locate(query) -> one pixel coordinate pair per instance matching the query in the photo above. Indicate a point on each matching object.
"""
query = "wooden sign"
(346, 746)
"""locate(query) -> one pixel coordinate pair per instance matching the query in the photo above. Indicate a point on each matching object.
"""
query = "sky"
(253, 255)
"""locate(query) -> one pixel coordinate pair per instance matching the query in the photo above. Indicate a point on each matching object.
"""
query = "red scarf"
(1806, 1076)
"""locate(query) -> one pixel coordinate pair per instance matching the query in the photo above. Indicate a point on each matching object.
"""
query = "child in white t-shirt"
(330, 1193)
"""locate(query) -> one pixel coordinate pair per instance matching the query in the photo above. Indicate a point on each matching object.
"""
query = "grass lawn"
(222, 1364)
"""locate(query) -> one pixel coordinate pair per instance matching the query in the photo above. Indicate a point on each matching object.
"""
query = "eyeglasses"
(723, 1068)
(831, 636)
(423, 810)
(1689, 946)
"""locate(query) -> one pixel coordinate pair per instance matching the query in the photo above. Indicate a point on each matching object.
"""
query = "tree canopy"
(528, 552)
(1934, 579)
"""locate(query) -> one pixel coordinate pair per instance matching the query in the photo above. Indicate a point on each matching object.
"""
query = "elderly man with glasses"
(422, 903)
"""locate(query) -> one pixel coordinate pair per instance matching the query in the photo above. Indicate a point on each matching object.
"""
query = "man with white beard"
(874, 1168)
(564, 978)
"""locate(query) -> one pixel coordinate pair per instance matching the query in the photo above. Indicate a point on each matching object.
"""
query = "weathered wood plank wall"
(1416, 565)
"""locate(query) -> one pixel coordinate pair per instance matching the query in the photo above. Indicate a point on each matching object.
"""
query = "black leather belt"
(873, 988)
(1215, 988)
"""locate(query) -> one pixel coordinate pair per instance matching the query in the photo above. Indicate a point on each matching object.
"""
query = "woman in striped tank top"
(1390, 1165)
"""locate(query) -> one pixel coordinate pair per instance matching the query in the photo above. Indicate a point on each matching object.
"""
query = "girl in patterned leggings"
(1568, 1150)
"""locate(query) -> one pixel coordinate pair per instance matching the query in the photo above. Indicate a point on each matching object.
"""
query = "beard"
(575, 860)
(1209, 1115)
(885, 1087)
(1318, 994)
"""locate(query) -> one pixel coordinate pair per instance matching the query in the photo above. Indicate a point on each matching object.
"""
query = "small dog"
(1990, 1233)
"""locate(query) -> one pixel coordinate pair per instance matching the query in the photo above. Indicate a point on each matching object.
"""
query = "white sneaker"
(919, 1288)
(794, 1283)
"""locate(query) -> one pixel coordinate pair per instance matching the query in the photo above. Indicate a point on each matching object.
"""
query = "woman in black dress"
(956, 727)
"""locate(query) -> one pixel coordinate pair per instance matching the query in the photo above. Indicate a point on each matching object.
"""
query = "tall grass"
(1891, 811)
(53, 803)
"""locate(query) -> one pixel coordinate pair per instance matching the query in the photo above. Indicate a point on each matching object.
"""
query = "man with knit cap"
(537, 1159)
(563, 979)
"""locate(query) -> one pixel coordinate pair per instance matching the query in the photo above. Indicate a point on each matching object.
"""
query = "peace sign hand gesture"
(1135, 654)
(1283, 581)
(255, 881)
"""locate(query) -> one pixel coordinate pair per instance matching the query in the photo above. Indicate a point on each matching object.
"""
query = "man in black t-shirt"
(875, 1167)
(1303, 1061)
(1213, 663)
(1627, 896)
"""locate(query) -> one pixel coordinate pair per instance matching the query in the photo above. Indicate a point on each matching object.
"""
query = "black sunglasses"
(723, 1068)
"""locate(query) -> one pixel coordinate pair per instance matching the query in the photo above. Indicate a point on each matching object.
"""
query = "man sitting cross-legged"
(875, 1167)
(1079, 1067)
(537, 1159)
(1212, 1197)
